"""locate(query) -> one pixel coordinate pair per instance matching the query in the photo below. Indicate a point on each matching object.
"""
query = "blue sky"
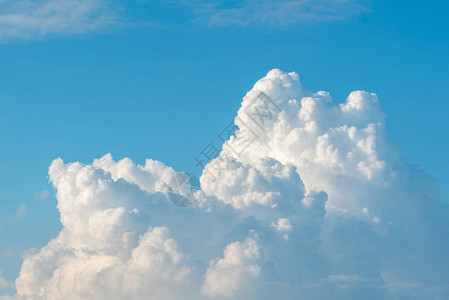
(145, 79)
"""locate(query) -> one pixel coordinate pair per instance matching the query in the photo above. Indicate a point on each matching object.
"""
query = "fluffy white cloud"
(309, 200)
(24, 19)
(235, 270)
(106, 249)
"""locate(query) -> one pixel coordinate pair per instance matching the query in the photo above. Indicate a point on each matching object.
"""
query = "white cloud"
(26, 19)
(235, 270)
(106, 249)
(282, 225)
(320, 205)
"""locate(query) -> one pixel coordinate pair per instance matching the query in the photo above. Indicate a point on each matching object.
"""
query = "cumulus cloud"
(107, 248)
(308, 199)
(24, 19)
(236, 269)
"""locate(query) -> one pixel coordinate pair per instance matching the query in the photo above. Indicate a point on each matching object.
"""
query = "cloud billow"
(319, 204)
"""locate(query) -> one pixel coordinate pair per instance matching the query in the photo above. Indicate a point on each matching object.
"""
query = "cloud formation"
(25, 19)
(308, 200)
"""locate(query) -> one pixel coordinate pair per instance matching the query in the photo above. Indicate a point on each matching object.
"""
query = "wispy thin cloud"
(4, 283)
(25, 19)
(22, 210)
(30, 20)
(42, 196)
(275, 13)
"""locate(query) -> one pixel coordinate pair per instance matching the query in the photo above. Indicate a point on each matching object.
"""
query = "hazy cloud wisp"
(28, 20)
(275, 13)
(23, 19)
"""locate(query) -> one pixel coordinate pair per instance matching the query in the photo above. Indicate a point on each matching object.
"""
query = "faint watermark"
(260, 113)
(184, 189)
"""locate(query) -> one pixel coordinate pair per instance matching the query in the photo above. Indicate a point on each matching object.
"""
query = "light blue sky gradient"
(161, 81)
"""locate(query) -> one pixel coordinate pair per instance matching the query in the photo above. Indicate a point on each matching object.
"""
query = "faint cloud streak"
(22, 210)
(25, 20)
(31, 20)
(275, 13)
